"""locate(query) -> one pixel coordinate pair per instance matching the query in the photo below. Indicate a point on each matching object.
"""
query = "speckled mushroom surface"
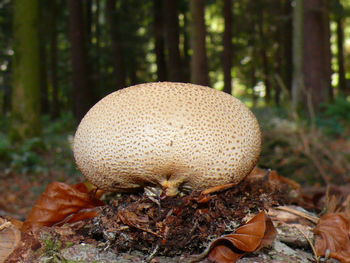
(167, 134)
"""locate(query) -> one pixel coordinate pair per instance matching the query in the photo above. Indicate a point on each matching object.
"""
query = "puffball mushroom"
(167, 134)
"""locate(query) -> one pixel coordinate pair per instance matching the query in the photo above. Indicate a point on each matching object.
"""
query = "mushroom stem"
(171, 186)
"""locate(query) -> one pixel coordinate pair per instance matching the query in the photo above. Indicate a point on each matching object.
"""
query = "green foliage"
(25, 158)
(336, 118)
(51, 151)
(340, 109)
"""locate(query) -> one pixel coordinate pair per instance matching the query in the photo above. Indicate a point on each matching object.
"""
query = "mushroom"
(172, 135)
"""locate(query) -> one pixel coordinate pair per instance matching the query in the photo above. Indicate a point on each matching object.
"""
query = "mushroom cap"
(168, 134)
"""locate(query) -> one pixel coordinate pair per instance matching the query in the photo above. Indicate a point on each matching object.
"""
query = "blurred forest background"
(289, 60)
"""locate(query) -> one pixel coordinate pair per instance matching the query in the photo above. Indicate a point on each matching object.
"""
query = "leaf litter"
(166, 226)
(207, 224)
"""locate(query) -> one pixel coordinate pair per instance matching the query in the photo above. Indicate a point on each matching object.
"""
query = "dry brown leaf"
(62, 203)
(333, 236)
(133, 220)
(255, 234)
(275, 180)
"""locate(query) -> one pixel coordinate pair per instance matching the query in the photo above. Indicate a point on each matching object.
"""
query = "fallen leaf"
(255, 234)
(275, 180)
(333, 236)
(133, 220)
(62, 203)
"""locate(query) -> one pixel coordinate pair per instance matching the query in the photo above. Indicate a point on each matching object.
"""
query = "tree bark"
(228, 47)
(26, 70)
(44, 32)
(340, 56)
(317, 56)
(55, 103)
(253, 78)
(287, 39)
(284, 66)
(171, 21)
(263, 55)
(117, 50)
(97, 45)
(82, 90)
(199, 63)
(88, 20)
(159, 39)
(44, 93)
(298, 78)
(186, 48)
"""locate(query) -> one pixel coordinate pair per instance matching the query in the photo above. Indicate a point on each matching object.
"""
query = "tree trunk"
(298, 78)
(253, 78)
(44, 31)
(317, 58)
(82, 90)
(117, 50)
(199, 64)
(88, 19)
(44, 94)
(287, 39)
(340, 56)
(97, 46)
(228, 48)
(186, 48)
(26, 70)
(283, 60)
(55, 103)
(263, 55)
(171, 22)
(159, 39)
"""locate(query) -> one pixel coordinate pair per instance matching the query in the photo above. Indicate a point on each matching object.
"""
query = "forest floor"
(132, 228)
(19, 192)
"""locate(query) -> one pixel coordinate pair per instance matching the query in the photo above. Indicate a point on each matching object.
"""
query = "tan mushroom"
(167, 134)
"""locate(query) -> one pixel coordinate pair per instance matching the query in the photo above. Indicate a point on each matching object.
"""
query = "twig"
(315, 161)
(317, 258)
(313, 219)
(153, 254)
(217, 189)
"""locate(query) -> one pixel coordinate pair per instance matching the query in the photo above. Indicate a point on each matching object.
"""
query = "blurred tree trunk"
(253, 78)
(171, 27)
(283, 62)
(298, 78)
(286, 40)
(340, 56)
(44, 32)
(88, 21)
(199, 63)
(82, 88)
(117, 50)
(26, 70)
(228, 47)
(263, 53)
(55, 103)
(186, 48)
(88, 18)
(97, 45)
(44, 94)
(159, 39)
(317, 56)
